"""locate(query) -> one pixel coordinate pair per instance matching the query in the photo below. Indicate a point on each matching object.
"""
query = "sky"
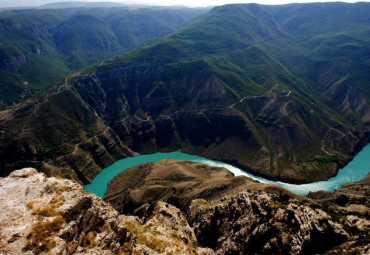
(204, 3)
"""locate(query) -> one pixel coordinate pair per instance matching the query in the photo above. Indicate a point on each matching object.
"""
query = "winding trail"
(323, 149)
(78, 144)
(189, 110)
(33, 115)
(241, 100)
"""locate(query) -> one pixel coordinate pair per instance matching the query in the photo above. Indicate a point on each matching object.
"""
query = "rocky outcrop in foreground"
(237, 215)
(350, 198)
(259, 223)
(41, 215)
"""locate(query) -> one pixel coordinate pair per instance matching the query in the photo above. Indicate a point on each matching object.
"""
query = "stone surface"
(41, 215)
(234, 215)
(165, 229)
(59, 214)
(262, 223)
(350, 198)
(351, 205)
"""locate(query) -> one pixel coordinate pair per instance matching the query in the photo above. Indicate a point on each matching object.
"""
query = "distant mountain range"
(51, 3)
(280, 91)
(40, 46)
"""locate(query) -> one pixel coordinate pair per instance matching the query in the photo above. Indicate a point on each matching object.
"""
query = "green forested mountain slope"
(278, 90)
(39, 47)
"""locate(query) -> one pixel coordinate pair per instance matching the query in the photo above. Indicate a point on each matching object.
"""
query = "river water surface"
(355, 170)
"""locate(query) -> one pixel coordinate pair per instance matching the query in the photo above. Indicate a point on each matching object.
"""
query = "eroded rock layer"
(256, 97)
(41, 215)
(236, 215)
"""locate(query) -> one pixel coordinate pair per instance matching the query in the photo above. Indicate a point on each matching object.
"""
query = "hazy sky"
(13, 3)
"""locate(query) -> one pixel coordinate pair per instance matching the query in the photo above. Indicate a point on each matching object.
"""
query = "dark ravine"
(250, 104)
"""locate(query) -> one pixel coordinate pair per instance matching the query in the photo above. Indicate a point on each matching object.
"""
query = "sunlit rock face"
(41, 215)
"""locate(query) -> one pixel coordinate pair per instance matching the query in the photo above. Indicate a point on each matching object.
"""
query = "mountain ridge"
(240, 94)
(40, 46)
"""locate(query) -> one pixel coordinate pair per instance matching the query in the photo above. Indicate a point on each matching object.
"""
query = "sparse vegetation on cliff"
(58, 217)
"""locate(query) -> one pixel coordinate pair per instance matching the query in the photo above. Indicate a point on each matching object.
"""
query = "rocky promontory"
(41, 215)
(350, 198)
(213, 213)
(237, 215)
(179, 182)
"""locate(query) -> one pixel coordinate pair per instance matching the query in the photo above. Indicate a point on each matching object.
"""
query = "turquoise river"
(355, 170)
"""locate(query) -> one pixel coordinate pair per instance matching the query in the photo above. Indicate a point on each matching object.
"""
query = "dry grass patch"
(57, 201)
(89, 241)
(105, 228)
(30, 204)
(41, 238)
(157, 241)
(145, 237)
(126, 249)
(56, 188)
(46, 211)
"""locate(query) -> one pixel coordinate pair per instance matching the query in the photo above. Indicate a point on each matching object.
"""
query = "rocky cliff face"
(350, 198)
(234, 215)
(76, 145)
(260, 223)
(101, 118)
(41, 215)
(277, 108)
(263, 134)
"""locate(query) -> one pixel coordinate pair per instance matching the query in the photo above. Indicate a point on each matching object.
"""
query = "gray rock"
(251, 223)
